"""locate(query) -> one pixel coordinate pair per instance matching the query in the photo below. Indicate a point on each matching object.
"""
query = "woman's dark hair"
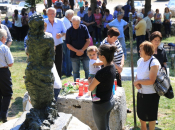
(148, 48)
(156, 34)
(108, 52)
(65, 1)
(89, 9)
(113, 32)
(168, 9)
(107, 11)
(16, 14)
(157, 10)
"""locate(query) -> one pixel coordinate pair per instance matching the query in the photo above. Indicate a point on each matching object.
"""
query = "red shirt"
(98, 18)
(53, 1)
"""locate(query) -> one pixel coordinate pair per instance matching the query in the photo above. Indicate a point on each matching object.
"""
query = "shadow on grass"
(17, 46)
(20, 59)
(16, 107)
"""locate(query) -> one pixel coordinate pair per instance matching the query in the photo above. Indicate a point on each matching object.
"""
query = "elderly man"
(121, 25)
(6, 61)
(7, 23)
(9, 38)
(149, 25)
(140, 31)
(78, 39)
(67, 64)
(81, 13)
(56, 27)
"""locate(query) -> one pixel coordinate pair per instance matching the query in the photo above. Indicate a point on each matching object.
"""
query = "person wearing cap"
(6, 61)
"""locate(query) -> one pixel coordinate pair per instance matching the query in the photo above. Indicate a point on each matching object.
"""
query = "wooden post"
(132, 64)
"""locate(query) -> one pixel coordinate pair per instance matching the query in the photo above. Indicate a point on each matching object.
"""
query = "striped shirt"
(118, 54)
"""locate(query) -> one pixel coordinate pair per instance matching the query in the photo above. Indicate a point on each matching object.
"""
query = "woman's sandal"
(128, 110)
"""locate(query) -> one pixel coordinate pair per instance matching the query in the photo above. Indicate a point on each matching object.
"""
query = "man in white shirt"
(32, 11)
(6, 61)
(57, 28)
(67, 64)
(148, 25)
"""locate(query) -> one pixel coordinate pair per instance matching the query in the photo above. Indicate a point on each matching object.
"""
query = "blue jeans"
(122, 42)
(140, 39)
(98, 34)
(56, 93)
(67, 64)
(76, 66)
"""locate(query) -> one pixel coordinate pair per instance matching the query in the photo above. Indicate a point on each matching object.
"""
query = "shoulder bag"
(162, 83)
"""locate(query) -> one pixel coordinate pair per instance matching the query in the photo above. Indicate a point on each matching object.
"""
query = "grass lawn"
(166, 115)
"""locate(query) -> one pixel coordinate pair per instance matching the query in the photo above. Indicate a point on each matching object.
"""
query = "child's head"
(92, 52)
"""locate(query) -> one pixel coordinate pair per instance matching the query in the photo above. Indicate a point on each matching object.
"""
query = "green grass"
(166, 115)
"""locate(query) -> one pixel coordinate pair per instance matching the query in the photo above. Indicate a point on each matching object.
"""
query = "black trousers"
(105, 32)
(19, 33)
(157, 27)
(25, 29)
(119, 81)
(5, 91)
(59, 59)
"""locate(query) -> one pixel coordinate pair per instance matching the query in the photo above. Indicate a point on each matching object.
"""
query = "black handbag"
(162, 83)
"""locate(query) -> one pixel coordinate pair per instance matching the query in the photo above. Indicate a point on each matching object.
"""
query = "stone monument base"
(63, 122)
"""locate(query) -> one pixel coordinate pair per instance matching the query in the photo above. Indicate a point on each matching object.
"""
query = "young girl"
(94, 66)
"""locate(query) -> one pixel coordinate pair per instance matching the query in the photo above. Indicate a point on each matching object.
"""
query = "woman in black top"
(159, 52)
(89, 20)
(104, 80)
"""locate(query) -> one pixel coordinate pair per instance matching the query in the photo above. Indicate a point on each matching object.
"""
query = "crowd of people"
(72, 36)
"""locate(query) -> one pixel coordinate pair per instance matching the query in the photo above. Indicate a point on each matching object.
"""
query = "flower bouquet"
(69, 88)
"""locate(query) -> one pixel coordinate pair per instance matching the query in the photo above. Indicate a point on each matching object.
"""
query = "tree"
(147, 6)
(93, 5)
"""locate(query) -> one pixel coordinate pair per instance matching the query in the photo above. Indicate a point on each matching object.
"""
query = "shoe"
(157, 122)
(96, 43)
(94, 99)
(3, 120)
(128, 110)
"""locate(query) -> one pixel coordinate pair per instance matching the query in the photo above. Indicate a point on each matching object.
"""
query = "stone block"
(76, 124)
(63, 122)
(81, 108)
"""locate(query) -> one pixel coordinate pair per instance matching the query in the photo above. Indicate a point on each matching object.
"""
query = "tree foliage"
(33, 2)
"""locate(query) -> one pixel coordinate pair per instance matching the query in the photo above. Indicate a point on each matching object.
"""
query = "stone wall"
(82, 109)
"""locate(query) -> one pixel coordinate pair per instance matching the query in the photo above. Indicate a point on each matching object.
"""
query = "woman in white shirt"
(147, 98)
(18, 24)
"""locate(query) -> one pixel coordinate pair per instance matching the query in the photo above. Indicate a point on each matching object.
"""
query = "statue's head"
(36, 24)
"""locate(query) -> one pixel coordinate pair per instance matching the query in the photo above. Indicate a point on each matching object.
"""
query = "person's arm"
(93, 20)
(10, 65)
(59, 35)
(98, 63)
(9, 38)
(152, 77)
(137, 26)
(104, 18)
(86, 45)
(108, 26)
(125, 27)
(120, 67)
(92, 83)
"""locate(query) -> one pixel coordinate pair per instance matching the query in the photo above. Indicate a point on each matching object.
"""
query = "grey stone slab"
(62, 122)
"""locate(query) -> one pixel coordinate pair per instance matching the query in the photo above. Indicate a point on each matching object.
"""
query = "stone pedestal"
(63, 122)
(81, 107)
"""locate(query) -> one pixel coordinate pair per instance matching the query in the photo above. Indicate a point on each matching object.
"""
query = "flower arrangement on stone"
(69, 87)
